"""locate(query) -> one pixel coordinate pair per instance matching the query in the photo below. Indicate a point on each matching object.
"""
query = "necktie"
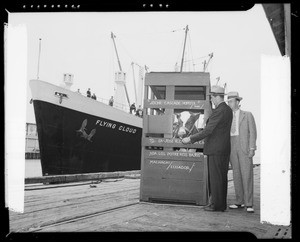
(233, 126)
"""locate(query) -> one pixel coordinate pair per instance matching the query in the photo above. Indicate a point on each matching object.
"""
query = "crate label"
(174, 153)
(191, 104)
(173, 165)
(169, 141)
(165, 140)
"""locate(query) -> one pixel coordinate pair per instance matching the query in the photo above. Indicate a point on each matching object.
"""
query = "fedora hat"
(217, 90)
(232, 95)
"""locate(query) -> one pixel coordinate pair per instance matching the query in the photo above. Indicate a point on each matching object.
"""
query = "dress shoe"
(235, 206)
(250, 209)
(212, 209)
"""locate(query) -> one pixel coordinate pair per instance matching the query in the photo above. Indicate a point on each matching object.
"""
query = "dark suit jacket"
(216, 132)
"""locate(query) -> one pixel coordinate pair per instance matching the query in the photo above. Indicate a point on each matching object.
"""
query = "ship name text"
(122, 128)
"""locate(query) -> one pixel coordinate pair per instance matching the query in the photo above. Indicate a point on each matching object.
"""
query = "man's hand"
(186, 140)
(251, 153)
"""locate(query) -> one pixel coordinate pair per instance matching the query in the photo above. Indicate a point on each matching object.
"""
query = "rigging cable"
(210, 69)
(191, 50)
(136, 35)
(151, 33)
(127, 52)
(179, 53)
(201, 57)
(175, 30)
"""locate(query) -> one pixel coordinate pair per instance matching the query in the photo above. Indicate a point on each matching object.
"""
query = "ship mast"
(132, 65)
(120, 67)
(38, 67)
(206, 63)
(182, 59)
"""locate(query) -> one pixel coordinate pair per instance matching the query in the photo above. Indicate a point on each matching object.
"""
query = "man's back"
(218, 143)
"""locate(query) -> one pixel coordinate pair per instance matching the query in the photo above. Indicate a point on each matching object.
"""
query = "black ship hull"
(77, 134)
(73, 142)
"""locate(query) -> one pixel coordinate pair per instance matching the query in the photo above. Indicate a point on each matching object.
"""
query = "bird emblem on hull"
(83, 133)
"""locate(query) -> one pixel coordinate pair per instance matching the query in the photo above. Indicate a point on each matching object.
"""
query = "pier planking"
(115, 206)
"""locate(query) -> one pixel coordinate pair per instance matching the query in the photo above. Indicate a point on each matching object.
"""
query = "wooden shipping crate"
(176, 176)
(167, 172)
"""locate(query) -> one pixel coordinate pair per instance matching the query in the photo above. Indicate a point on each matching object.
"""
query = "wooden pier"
(113, 205)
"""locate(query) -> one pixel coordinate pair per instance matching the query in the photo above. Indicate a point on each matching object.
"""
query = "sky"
(81, 44)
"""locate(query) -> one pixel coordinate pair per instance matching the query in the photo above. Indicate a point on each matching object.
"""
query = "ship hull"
(66, 148)
(72, 141)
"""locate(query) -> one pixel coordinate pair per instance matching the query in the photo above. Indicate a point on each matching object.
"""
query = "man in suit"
(217, 147)
(243, 146)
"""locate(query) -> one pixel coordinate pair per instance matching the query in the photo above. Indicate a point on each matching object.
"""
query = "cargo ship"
(78, 134)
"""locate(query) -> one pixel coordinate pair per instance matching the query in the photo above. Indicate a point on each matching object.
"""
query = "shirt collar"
(236, 111)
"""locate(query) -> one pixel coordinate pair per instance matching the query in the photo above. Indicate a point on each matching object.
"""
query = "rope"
(210, 66)
(135, 35)
(175, 30)
(191, 50)
(196, 58)
(127, 52)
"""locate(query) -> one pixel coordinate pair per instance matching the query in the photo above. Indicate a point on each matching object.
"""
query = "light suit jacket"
(247, 131)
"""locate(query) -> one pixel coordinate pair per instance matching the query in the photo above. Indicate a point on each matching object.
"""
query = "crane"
(119, 63)
(182, 59)
(132, 65)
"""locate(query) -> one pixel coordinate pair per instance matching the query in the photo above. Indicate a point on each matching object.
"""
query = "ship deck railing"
(117, 105)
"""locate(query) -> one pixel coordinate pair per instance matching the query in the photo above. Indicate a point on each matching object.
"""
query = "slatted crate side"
(161, 179)
(179, 190)
(144, 132)
(169, 142)
(165, 169)
(168, 174)
(173, 155)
